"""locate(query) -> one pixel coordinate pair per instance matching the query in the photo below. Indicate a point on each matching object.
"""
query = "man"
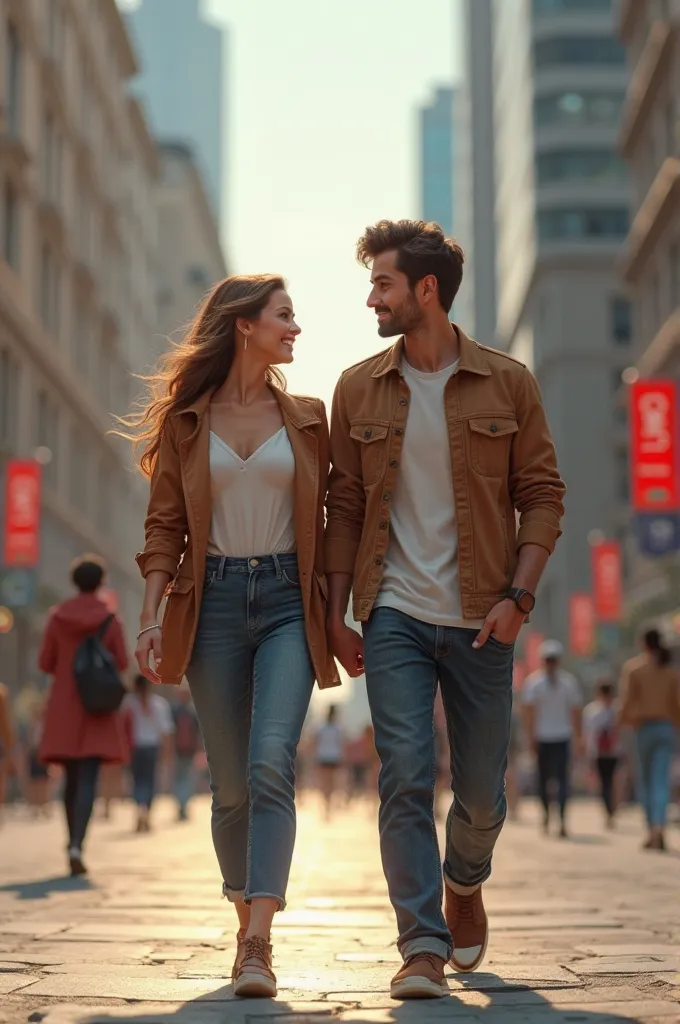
(187, 744)
(435, 443)
(552, 707)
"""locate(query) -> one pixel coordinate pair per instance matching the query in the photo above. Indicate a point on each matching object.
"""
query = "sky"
(321, 140)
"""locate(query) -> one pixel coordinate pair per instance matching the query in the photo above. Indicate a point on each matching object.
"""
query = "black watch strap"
(524, 599)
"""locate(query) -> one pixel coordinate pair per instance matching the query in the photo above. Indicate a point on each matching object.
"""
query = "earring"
(245, 342)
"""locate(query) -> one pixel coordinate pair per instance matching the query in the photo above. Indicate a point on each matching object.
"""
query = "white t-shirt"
(420, 573)
(329, 744)
(553, 700)
(151, 723)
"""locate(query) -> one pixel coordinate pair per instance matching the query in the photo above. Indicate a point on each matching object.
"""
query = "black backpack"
(99, 685)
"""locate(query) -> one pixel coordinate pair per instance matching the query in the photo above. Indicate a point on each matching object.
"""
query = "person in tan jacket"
(234, 539)
(436, 443)
(650, 702)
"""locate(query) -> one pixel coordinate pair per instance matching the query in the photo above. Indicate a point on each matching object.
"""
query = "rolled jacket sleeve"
(535, 484)
(165, 528)
(346, 501)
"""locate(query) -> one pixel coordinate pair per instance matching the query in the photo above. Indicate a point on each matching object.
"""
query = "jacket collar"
(471, 356)
(299, 411)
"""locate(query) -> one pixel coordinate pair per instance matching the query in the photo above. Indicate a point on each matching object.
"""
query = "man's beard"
(403, 321)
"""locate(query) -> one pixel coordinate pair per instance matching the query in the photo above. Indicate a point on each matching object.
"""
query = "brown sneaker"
(421, 977)
(469, 927)
(240, 950)
(255, 978)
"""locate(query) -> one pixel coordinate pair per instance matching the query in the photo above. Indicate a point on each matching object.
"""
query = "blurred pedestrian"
(187, 743)
(602, 743)
(360, 755)
(238, 471)
(39, 779)
(553, 715)
(7, 742)
(650, 702)
(72, 737)
(151, 729)
(329, 757)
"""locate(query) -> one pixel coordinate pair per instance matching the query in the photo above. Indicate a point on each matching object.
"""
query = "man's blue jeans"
(251, 680)
(405, 659)
(654, 745)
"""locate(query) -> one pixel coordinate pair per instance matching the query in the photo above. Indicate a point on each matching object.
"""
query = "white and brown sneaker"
(240, 950)
(469, 927)
(421, 977)
(255, 978)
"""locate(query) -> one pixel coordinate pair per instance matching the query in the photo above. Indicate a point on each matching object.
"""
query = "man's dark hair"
(87, 573)
(422, 249)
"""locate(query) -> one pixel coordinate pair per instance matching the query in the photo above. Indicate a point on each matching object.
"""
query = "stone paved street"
(586, 930)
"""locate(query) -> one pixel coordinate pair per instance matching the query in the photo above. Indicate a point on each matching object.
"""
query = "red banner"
(607, 581)
(581, 624)
(655, 480)
(22, 513)
(532, 646)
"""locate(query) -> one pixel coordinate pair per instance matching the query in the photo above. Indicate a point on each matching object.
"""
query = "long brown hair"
(200, 362)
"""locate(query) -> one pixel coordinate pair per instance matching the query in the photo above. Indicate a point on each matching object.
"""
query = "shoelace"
(433, 961)
(466, 908)
(257, 948)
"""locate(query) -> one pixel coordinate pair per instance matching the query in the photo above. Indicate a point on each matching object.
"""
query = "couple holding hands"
(436, 444)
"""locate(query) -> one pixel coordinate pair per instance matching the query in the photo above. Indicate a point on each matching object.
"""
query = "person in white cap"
(553, 716)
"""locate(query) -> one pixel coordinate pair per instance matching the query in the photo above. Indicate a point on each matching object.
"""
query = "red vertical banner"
(581, 624)
(607, 581)
(655, 480)
(21, 546)
(532, 648)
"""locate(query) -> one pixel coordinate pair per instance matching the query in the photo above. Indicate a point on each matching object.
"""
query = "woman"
(234, 537)
(650, 702)
(71, 737)
(329, 757)
(150, 725)
(603, 745)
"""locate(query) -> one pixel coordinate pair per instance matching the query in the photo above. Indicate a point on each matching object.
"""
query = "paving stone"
(630, 949)
(101, 932)
(13, 982)
(77, 952)
(239, 1012)
(32, 928)
(626, 965)
(333, 919)
(103, 986)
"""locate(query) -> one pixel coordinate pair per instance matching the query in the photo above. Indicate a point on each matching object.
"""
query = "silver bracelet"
(148, 629)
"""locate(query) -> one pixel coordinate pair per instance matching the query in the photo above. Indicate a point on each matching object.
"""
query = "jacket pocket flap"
(180, 585)
(368, 432)
(494, 426)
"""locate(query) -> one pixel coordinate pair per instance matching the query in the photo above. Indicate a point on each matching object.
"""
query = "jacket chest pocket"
(490, 442)
(372, 438)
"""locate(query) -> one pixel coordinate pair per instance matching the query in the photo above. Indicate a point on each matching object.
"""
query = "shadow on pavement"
(45, 887)
(509, 1004)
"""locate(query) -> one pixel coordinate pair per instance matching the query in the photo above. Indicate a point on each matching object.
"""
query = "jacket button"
(403, 401)
(393, 463)
(367, 434)
(384, 523)
(398, 431)
(378, 561)
(386, 496)
(493, 428)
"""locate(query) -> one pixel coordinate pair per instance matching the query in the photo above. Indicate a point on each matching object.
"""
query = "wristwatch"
(524, 600)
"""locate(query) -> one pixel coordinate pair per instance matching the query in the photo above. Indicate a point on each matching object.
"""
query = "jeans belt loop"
(220, 571)
(277, 566)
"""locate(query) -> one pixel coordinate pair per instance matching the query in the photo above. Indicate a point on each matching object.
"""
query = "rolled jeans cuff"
(266, 896)
(460, 890)
(426, 944)
(233, 895)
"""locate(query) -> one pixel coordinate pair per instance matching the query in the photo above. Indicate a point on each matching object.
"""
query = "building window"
(565, 6)
(13, 81)
(580, 165)
(10, 226)
(622, 469)
(47, 434)
(607, 222)
(79, 471)
(674, 269)
(578, 108)
(9, 399)
(671, 128)
(621, 326)
(49, 289)
(578, 50)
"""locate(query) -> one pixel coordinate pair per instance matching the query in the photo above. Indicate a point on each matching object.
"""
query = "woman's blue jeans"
(655, 744)
(143, 766)
(251, 680)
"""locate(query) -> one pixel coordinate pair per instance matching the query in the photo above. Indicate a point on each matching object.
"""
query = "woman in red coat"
(72, 737)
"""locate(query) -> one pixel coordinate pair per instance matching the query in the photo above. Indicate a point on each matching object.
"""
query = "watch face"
(526, 602)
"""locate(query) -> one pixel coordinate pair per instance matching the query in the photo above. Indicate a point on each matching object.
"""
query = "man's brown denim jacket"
(502, 459)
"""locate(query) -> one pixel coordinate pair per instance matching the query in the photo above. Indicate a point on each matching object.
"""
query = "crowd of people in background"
(624, 740)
